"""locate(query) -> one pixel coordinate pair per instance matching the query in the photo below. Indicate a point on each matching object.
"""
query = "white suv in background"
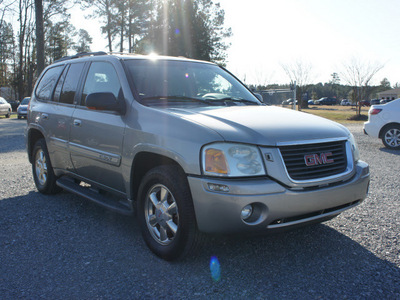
(384, 123)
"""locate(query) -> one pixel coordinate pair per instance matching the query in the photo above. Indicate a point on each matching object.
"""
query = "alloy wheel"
(41, 167)
(161, 213)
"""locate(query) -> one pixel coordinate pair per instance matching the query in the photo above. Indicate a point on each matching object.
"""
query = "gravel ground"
(57, 247)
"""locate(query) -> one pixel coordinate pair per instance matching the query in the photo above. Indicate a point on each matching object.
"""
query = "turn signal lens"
(215, 161)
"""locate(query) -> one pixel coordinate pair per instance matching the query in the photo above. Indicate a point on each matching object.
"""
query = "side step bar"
(124, 207)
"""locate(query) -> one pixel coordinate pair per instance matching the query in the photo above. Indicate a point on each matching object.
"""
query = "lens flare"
(215, 268)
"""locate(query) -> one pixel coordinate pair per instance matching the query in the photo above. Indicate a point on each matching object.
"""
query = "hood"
(262, 125)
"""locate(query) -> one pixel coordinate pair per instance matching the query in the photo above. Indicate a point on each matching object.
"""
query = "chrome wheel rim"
(41, 167)
(392, 137)
(161, 213)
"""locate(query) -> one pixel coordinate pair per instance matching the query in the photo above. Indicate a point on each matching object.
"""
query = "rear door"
(96, 136)
(54, 108)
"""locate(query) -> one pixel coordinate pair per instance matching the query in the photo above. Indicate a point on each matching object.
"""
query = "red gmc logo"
(315, 159)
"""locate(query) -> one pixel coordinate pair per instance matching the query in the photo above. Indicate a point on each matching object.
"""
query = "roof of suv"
(126, 56)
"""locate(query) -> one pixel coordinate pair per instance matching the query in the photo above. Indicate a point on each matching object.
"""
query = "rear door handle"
(77, 123)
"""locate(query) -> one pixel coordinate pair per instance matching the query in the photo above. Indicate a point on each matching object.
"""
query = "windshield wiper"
(179, 99)
(238, 100)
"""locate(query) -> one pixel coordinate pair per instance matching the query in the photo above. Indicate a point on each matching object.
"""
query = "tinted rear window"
(46, 85)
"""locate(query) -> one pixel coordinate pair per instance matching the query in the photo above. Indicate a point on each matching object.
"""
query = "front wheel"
(166, 214)
(8, 114)
(43, 173)
(391, 137)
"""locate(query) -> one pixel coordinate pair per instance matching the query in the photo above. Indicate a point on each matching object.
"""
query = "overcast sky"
(323, 33)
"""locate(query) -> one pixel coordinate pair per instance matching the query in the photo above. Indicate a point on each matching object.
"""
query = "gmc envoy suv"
(187, 147)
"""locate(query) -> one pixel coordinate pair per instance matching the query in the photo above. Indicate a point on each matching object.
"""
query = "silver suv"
(187, 147)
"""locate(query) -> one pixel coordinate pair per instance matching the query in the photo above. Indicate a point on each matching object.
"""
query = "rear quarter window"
(47, 83)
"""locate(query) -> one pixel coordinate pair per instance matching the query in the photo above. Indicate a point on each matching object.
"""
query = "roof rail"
(82, 54)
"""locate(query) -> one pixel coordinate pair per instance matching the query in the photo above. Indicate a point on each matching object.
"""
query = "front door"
(96, 136)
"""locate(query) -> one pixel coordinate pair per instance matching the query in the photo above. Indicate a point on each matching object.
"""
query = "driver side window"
(101, 77)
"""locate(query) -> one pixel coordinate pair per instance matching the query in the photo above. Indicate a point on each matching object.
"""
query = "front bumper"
(22, 113)
(274, 206)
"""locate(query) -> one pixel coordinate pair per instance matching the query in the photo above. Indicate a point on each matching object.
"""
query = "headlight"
(354, 147)
(232, 160)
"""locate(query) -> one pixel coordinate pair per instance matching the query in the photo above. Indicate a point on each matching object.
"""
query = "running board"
(124, 207)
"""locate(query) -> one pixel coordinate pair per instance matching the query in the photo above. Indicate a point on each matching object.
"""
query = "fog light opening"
(246, 213)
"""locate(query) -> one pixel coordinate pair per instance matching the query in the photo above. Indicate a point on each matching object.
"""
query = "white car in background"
(345, 102)
(384, 123)
(5, 108)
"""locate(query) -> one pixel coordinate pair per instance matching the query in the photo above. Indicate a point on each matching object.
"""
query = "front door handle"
(77, 123)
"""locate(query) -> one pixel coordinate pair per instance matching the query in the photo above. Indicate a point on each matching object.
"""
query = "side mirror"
(259, 97)
(105, 101)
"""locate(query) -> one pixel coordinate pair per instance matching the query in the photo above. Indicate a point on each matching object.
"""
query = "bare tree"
(261, 77)
(358, 74)
(39, 35)
(25, 18)
(299, 72)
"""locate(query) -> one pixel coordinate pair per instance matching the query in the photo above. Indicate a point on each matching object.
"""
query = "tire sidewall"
(49, 187)
(384, 134)
(179, 189)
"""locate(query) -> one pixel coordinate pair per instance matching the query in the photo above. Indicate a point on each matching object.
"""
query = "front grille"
(324, 159)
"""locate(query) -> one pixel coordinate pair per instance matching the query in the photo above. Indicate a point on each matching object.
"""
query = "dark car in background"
(384, 101)
(365, 103)
(14, 104)
(375, 101)
(326, 101)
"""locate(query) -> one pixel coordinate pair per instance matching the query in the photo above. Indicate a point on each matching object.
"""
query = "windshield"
(25, 101)
(169, 82)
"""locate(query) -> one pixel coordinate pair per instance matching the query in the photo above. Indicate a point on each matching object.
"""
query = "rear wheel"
(43, 173)
(166, 214)
(391, 137)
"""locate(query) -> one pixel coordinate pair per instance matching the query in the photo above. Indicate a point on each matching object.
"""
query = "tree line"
(35, 31)
(331, 89)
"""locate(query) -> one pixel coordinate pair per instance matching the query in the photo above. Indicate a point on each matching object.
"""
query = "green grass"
(338, 114)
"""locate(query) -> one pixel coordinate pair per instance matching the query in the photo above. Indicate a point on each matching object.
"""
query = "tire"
(166, 215)
(8, 114)
(19, 117)
(391, 137)
(43, 173)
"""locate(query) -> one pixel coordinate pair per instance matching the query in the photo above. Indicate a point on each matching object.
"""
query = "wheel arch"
(144, 162)
(381, 132)
(32, 137)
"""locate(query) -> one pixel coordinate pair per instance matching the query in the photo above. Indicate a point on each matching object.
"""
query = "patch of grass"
(340, 114)
(358, 118)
